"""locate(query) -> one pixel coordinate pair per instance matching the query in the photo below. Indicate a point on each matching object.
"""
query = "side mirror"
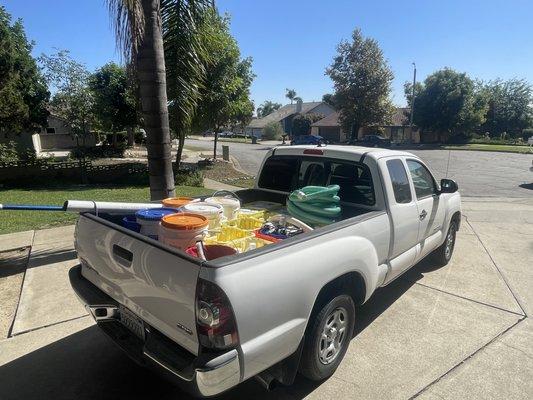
(448, 186)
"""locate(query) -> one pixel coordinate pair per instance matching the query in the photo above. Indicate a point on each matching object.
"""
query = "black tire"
(313, 365)
(443, 254)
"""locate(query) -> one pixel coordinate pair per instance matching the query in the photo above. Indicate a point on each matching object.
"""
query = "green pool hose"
(315, 204)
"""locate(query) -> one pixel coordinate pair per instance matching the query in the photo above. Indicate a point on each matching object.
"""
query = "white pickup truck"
(277, 310)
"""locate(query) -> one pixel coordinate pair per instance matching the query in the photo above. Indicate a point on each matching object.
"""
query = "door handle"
(123, 255)
(423, 215)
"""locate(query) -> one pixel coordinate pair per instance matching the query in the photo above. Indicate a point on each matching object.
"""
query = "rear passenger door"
(431, 210)
(403, 212)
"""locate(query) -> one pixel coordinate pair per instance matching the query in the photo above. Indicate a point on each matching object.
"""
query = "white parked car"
(280, 309)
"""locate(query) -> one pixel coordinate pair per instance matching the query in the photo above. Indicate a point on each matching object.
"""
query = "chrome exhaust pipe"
(267, 381)
(103, 312)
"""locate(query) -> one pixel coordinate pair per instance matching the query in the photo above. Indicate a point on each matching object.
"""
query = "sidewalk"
(461, 331)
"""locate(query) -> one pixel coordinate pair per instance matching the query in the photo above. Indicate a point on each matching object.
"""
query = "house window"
(50, 130)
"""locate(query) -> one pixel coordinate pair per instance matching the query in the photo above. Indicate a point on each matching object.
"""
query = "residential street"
(477, 173)
(456, 332)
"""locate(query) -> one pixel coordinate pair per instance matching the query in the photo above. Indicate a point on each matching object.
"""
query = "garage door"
(332, 134)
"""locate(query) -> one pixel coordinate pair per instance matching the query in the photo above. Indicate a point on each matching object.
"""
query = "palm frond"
(185, 56)
(127, 19)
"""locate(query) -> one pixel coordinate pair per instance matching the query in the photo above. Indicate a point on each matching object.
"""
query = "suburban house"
(398, 131)
(285, 115)
(56, 135)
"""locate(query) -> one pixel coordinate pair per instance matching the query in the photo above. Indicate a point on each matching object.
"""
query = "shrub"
(122, 137)
(527, 133)
(104, 151)
(301, 124)
(272, 131)
(189, 178)
(8, 152)
(139, 137)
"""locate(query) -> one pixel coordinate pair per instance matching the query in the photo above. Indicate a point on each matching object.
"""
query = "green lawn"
(15, 221)
(490, 147)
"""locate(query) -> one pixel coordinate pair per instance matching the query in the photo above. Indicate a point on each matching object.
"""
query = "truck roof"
(340, 151)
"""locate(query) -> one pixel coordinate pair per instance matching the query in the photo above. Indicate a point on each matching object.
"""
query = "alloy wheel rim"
(333, 335)
(449, 242)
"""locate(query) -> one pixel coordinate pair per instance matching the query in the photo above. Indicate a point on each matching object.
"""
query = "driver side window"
(422, 179)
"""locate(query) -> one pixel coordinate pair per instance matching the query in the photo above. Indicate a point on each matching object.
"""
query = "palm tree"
(290, 94)
(138, 30)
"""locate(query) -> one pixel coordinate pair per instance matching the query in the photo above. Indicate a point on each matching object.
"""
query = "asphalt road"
(478, 173)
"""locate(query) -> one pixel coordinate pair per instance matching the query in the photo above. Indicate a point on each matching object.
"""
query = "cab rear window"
(288, 173)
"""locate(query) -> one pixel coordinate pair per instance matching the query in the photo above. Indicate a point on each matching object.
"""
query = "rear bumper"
(204, 375)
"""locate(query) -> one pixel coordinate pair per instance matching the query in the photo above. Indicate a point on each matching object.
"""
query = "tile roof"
(331, 120)
(399, 118)
(283, 113)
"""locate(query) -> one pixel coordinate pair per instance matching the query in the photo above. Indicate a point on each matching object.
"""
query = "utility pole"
(413, 97)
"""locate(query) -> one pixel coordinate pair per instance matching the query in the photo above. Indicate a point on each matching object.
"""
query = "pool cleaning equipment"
(282, 226)
(182, 230)
(315, 205)
(148, 220)
(228, 200)
(84, 206)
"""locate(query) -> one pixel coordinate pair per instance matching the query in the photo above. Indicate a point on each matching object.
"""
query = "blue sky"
(292, 42)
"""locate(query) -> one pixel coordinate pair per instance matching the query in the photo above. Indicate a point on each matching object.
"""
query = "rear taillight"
(215, 321)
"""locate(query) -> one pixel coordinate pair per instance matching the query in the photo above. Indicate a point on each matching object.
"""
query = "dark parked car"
(308, 139)
(373, 141)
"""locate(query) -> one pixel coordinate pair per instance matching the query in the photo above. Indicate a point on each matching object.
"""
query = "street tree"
(449, 103)
(266, 108)
(225, 95)
(23, 91)
(510, 107)
(184, 34)
(72, 99)
(114, 102)
(329, 98)
(290, 94)
(362, 81)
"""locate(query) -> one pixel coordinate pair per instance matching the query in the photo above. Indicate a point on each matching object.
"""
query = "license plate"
(132, 322)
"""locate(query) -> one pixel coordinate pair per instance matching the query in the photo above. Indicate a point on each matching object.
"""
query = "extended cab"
(279, 309)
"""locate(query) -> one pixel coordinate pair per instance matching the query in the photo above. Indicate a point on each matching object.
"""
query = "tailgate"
(155, 282)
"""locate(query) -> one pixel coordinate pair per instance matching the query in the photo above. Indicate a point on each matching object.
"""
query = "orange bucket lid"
(176, 202)
(184, 221)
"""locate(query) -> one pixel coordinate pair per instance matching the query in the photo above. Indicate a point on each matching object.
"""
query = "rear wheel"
(443, 254)
(328, 338)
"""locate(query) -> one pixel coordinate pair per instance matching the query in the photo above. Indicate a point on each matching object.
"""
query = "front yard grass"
(15, 221)
(506, 148)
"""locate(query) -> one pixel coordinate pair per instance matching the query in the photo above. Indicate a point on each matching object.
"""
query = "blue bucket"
(130, 222)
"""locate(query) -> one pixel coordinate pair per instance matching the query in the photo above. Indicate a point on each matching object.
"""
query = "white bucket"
(213, 212)
(149, 219)
(178, 234)
(231, 205)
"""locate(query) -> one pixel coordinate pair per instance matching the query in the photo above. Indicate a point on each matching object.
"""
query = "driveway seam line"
(49, 325)
(503, 277)
(466, 359)
(472, 300)
(10, 331)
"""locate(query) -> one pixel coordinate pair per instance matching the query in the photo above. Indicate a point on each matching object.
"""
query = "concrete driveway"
(460, 331)
(478, 173)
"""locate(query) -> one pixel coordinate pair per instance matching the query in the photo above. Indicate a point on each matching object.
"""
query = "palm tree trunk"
(152, 88)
